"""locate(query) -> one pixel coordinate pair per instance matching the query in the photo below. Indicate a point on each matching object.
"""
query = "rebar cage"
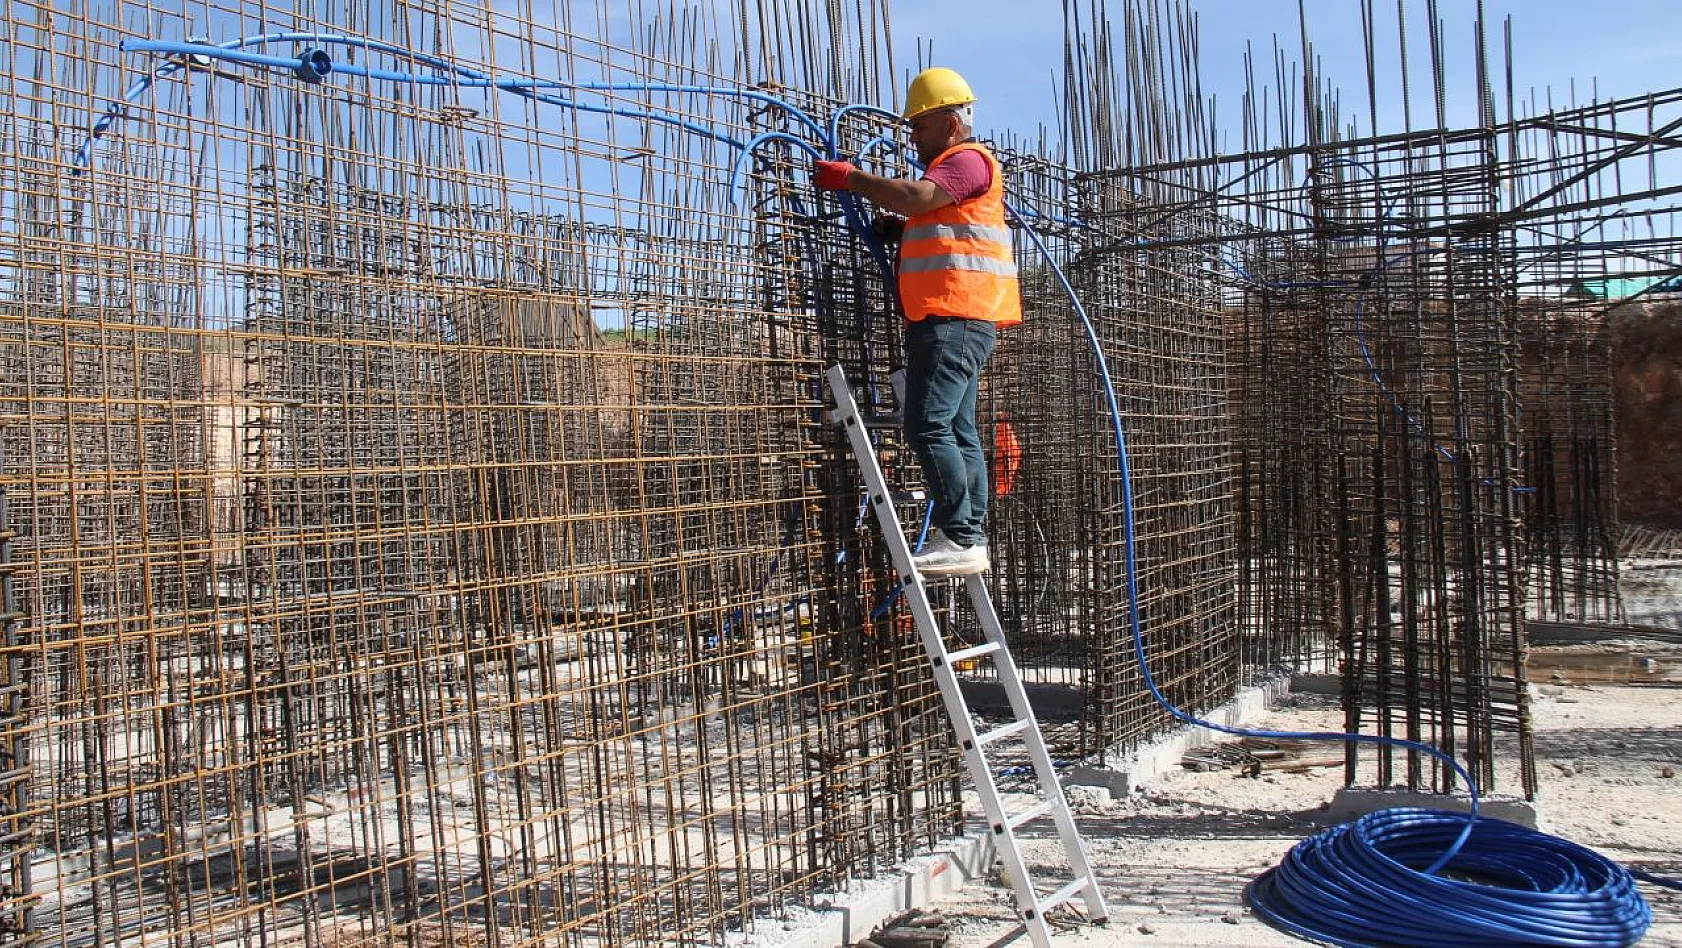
(419, 522)
(420, 485)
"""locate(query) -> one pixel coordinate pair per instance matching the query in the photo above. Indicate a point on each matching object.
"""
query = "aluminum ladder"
(1031, 903)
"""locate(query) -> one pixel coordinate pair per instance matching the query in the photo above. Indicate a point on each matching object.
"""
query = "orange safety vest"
(957, 260)
(1007, 458)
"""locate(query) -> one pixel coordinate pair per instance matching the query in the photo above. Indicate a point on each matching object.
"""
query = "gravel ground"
(1174, 860)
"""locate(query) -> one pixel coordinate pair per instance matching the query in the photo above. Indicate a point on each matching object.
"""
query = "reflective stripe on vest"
(999, 235)
(957, 260)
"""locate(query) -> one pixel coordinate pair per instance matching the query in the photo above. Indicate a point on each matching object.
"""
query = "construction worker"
(957, 285)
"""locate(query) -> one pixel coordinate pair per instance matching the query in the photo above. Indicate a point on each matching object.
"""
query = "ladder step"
(1060, 896)
(965, 654)
(1027, 816)
(1000, 733)
(899, 498)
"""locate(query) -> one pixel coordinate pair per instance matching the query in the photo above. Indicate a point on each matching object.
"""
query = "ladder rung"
(1026, 816)
(1060, 896)
(899, 498)
(965, 654)
(1000, 733)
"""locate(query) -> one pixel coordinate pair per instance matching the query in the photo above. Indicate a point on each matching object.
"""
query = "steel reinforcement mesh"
(420, 524)
(1373, 392)
(1593, 190)
(1059, 525)
(1374, 363)
(1059, 528)
(1418, 387)
(1570, 523)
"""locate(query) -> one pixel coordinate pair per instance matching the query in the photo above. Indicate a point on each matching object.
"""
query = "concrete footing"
(1352, 803)
(1123, 775)
(845, 917)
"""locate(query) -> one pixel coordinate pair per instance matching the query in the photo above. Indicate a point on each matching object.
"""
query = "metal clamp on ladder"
(1031, 903)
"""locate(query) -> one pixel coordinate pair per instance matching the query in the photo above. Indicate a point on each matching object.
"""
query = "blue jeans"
(943, 358)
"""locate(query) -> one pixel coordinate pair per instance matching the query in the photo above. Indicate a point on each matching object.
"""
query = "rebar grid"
(1570, 522)
(1386, 370)
(418, 522)
(1598, 243)
(428, 520)
(1059, 532)
(1395, 505)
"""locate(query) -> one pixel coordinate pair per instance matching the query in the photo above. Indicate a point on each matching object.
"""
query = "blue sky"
(1012, 50)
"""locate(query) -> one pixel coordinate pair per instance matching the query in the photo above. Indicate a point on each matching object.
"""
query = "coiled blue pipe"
(1361, 884)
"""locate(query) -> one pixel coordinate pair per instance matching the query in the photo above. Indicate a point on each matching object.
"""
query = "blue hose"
(313, 65)
(1360, 884)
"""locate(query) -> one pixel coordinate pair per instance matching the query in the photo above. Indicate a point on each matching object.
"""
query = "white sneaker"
(942, 557)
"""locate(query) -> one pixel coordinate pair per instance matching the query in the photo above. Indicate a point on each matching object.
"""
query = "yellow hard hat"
(937, 88)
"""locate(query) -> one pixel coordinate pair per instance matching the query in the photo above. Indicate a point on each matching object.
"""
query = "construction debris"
(914, 929)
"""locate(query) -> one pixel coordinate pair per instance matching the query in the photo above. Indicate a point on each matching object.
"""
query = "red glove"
(832, 175)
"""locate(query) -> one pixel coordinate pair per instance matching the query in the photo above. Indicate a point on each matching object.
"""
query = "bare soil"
(1174, 859)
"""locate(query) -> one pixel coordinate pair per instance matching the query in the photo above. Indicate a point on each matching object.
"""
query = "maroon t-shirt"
(962, 175)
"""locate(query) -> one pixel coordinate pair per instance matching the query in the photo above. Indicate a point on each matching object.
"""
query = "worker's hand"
(888, 228)
(832, 175)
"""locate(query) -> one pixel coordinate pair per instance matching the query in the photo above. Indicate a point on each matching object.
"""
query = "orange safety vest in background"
(1007, 458)
(957, 260)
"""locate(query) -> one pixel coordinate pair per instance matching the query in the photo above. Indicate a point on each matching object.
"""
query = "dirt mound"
(1646, 340)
